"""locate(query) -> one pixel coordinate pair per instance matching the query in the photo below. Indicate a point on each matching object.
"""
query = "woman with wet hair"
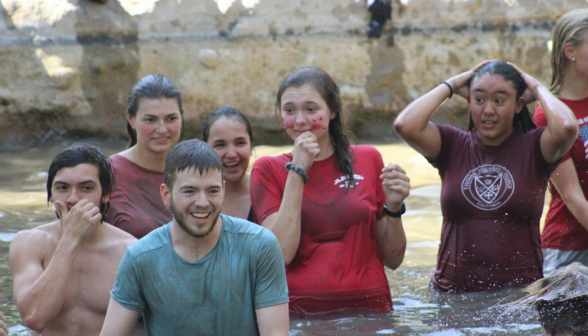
(493, 176)
(565, 236)
(334, 207)
(154, 123)
(229, 133)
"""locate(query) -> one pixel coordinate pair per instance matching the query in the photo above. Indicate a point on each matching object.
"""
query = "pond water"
(23, 205)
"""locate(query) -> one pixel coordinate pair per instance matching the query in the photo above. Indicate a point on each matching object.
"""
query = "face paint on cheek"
(288, 122)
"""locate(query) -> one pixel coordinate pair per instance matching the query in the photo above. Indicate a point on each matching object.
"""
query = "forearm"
(561, 121)
(391, 241)
(578, 206)
(286, 224)
(40, 303)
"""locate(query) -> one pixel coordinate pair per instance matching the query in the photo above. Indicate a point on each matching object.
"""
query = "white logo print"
(488, 187)
(344, 179)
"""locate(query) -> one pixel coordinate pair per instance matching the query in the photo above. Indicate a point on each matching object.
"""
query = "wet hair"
(153, 86)
(558, 317)
(78, 154)
(522, 121)
(190, 154)
(568, 29)
(227, 112)
(329, 91)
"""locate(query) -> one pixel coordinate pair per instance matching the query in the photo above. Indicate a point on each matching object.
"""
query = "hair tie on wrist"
(450, 89)
(297, 170)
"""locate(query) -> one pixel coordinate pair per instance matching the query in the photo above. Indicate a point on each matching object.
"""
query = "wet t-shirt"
(338, 263)
(136, 205)
(216, 295)
(562, 230)
(492, 200)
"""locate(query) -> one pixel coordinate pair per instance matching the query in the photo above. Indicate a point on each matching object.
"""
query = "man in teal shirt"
(203, 273)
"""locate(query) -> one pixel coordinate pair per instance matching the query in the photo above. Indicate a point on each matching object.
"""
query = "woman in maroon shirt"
(493, 177)
(154, 123)
(565, 236)
(324, 202)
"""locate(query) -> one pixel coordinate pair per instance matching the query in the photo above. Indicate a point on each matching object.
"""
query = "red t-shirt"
(491, 199)
(338, 263)
(562, 230)
(136, 205)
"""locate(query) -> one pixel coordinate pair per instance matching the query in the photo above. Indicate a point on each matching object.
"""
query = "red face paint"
(313, 120)
(321, 118)
(288, 122)
(317, 126)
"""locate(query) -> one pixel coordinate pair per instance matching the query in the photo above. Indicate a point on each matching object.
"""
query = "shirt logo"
(488, 187)
(344, 179)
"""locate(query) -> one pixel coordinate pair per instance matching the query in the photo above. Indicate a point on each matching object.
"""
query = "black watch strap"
(297, 170)
(396, 214)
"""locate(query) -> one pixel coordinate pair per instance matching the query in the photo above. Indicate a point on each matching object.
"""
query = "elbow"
(393, 265)
(399, 126)
(571, 130)
(287, 258)
(35, 322)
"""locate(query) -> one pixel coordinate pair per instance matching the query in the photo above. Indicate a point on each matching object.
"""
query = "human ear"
(131, 120)
(520, 104)
(569, 51)
(333, 115)
(165, 195)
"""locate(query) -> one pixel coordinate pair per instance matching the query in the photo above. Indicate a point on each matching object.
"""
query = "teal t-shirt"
(216, 295)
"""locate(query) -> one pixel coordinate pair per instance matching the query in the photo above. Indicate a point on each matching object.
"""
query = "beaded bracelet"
(297, 170)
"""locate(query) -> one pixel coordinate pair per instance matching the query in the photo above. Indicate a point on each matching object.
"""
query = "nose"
(73, 198)
(488, 109)
(231, 152)
(300, 118)
(162, 128)
(200, 200)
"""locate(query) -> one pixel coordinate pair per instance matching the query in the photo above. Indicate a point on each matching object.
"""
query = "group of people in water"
(310, 231)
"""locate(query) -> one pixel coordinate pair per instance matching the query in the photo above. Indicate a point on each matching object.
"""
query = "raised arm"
(119, 320)
(565, 180)
(562, 127)
(391, 237)
(285, 224)
(273, 320)
(413, 124)
(39, 293)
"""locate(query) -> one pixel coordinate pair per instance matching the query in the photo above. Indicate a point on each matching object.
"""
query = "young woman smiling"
(334, 208)
(154, 123)
(565, 236)
(493, 177)
(229, 133)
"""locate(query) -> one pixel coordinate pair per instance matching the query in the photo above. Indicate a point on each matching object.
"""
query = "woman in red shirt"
(154, 123)
(565, 236)
(334, 208)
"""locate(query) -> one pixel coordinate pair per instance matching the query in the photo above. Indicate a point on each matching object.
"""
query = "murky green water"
(23, 205)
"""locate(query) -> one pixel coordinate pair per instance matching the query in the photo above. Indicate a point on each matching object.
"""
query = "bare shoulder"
(118, 237)
(37, 238)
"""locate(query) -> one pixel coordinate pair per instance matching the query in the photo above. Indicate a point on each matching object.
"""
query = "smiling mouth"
(231, 165)
(200, 215)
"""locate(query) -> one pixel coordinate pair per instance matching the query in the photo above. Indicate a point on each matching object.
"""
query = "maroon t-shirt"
(492, 200)
(562, 230)
(136, 205)
(338, 263)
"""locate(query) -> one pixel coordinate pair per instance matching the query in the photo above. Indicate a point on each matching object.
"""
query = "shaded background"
(66, 66)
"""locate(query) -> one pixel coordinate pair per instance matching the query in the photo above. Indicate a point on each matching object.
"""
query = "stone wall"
(66, 66)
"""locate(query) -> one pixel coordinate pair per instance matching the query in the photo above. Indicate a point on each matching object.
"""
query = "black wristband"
(396, 214)
(450, 89)
(297, 170)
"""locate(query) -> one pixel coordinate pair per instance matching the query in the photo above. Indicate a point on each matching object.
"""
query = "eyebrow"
(499, 91)
(83, 182)
(306, 102)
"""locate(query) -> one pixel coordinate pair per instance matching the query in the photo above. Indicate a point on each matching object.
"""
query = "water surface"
(23, 205)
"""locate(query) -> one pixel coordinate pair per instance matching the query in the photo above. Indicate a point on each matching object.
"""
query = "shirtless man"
(63, 271)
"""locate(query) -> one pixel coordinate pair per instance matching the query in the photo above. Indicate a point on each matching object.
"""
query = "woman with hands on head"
(493, 176)
(565, 236)
(334, 208)
(154, 123)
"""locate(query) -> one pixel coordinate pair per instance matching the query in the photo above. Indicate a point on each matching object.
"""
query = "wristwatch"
(396, 214)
